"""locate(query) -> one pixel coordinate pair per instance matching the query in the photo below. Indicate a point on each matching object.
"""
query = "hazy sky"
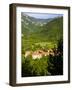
(43, 15)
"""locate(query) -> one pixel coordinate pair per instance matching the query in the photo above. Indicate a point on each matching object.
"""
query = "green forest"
(41, 46)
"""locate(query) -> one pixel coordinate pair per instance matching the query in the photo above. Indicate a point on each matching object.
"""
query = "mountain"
(42, 29)
(41, 32)
(53, 30)
(31, 24)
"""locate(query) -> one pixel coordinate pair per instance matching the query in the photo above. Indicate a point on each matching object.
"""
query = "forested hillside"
(37, 31)
(42, 46)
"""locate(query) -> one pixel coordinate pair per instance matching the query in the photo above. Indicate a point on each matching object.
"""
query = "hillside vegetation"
(42, 34)
(41, 31)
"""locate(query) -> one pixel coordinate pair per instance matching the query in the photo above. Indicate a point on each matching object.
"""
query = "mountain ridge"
(44, 35)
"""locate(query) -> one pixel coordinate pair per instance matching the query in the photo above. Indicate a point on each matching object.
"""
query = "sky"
(43, 15)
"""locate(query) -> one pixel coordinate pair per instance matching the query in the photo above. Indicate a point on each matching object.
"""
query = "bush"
(37, 67)
(55, 63)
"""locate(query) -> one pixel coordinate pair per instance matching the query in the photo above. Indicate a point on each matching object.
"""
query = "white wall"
(4, 45)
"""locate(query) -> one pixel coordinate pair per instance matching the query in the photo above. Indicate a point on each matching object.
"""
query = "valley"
(42, 45)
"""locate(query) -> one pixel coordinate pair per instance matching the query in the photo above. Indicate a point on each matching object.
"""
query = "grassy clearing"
(48, 44)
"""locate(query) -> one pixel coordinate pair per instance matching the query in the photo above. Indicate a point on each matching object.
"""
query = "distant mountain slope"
(53, 30)
(32, 24)
(36, 30)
